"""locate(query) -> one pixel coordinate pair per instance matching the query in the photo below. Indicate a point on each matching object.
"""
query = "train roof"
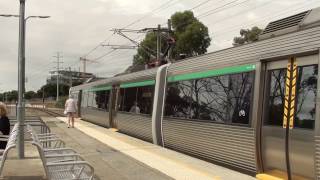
(148, 74)
(302, 36)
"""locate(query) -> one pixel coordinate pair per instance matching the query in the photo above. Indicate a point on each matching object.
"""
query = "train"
(253, 108)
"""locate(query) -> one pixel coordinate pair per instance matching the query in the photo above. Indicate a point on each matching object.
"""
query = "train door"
(79, 100)
(289, 117)
(114, 106)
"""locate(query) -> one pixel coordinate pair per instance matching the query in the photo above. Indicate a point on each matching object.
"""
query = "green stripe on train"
(137, 84)
(210, 73)
(102, 88)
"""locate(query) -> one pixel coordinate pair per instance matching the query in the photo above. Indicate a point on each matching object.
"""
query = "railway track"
(47, 111)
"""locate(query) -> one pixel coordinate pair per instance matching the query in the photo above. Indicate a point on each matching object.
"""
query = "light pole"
(21, 71)
(24, 32)
(21, 74)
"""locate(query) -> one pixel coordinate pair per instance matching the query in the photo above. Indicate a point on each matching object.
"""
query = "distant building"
(65, 77)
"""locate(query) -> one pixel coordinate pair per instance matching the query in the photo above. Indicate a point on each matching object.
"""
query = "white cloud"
(252, 16)
(76, 26)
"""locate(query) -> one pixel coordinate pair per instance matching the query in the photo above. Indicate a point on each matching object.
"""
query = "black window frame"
(106, 92)
(297, 98)
(249, 124)
(266, 97)
(121, 101)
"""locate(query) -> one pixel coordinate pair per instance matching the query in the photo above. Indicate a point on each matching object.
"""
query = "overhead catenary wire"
(163, 6)
(128, 25)
(200, 4)
(216, 9)
(241, 12)
(113, 50)
(264, 19)
(222, 32)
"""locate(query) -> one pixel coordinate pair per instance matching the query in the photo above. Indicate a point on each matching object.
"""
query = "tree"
(247, 36)
(144, 56)
(12, 95)
(30, 95)
(50, 90)
(191, 36)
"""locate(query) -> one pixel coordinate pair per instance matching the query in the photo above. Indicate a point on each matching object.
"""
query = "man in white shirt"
(70, 110)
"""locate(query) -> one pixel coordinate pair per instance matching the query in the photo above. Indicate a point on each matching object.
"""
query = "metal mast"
(21, 81)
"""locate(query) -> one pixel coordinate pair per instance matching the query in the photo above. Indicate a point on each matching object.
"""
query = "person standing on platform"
(70, 110)
(4, 124)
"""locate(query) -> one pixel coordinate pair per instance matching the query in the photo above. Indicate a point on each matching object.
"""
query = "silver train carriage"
(254, 108)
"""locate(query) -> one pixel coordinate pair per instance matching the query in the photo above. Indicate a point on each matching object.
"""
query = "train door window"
(276, 94)
(84, 99)
(306, 96)
(101, 98)
(120, 99)
(90, 99)
(240, 97)
(179, 99)
(106, 102)
(210, 98)
(128, 98)
(94, 100)
(144, 99)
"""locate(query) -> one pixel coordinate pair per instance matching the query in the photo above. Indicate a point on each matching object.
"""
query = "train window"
(210, 100)
(101, 99)
(91, 97)
(136, 100)
(128, 98)
(145, 99)
(224, 99)
(240, 96)
(306, 96)
(84, 102)
(276, 95)
(179, 99)
(94, 97)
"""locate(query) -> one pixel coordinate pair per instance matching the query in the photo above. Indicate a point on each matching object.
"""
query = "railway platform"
(118, 156)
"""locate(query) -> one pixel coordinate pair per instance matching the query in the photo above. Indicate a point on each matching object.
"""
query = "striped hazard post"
(290, 93)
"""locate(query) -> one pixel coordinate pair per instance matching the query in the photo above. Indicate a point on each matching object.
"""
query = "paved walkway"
(118, 156)
(108, 163)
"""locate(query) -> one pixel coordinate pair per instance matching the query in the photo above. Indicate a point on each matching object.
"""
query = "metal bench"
(43, 139)
(62, 163)
(35, 123)
(11, 143)
(47, 140)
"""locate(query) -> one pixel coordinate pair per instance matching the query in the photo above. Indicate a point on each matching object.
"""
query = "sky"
(77, 28)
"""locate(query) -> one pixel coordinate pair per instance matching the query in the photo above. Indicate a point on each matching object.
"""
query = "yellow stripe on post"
(287, 98)
(293, 92)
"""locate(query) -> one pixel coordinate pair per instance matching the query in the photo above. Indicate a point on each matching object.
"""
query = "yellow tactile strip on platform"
(267, 177)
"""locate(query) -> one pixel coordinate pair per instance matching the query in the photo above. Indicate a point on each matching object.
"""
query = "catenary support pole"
(159, 45)
(21, 83)
(58, 69)
(70, 76)
(169, 35)
(58, 72)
